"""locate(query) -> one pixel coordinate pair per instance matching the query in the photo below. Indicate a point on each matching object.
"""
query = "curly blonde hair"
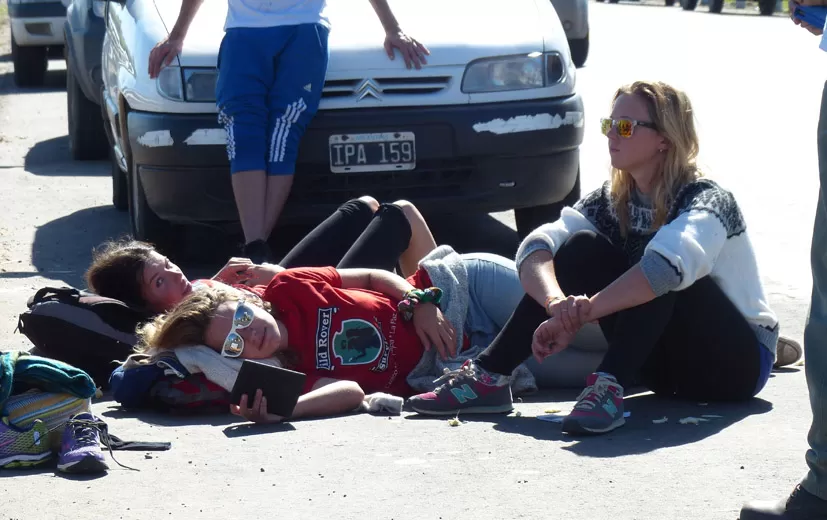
(671, 112)
(186, 324)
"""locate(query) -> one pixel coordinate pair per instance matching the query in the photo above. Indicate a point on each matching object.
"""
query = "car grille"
(379, 88)
(430, 179)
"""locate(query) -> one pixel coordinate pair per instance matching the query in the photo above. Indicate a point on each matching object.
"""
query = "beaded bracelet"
(414, 297)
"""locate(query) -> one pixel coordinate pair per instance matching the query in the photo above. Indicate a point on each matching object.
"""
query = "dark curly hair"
(117, 270)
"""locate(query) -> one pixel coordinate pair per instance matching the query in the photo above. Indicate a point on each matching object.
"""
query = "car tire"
(529, 219)
(689, 5)
(87, 135)
(579, 51)
(30, 65)
(669, 3)
(716, 6)
(120, 185)
(146, 225)
(766, 7)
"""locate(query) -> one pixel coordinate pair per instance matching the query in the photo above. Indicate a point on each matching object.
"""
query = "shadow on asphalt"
(62, 248)
(46, 468)
(249, 429)
(640, 434)
(55, 82)
(51, 158)
(158, 418)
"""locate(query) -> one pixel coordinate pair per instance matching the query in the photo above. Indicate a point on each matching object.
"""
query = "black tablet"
(281, 387)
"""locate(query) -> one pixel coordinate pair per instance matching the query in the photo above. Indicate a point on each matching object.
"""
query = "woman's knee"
(578, 249)
(409, 210)
(370, 202)
(588, 260)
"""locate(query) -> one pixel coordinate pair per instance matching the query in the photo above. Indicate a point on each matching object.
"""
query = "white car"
(36, 34)
(492, 123)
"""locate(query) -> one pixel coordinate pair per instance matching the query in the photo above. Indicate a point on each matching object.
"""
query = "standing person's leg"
(586, 263)
(244, 78)
(300, 69)
(809, 500)
(382, 242)
(328, 242)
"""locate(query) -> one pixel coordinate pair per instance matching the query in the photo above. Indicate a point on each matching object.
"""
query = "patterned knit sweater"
(704, 234)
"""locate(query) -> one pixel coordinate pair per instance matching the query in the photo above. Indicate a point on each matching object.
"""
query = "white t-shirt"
(274, 13)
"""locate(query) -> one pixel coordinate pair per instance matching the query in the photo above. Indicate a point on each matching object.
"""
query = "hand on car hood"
(455, 31)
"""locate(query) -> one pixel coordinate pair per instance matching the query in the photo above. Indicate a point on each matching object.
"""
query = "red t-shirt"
(350, 334)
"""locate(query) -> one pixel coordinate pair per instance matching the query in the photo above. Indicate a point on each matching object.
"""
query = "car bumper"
(489, 157)
(37, 24)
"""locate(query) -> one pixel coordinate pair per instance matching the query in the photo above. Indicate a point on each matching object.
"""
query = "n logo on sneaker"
(610, 407)
(464, 394)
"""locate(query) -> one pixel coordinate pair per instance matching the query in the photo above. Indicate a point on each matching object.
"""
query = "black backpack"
(83, 329)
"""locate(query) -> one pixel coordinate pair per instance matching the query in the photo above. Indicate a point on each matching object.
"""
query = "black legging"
(354, 236)
(692, 343)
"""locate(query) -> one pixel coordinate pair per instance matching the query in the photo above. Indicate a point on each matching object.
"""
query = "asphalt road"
(755, 83)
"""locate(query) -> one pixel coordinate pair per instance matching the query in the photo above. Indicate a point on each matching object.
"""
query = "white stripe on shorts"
(281, 131)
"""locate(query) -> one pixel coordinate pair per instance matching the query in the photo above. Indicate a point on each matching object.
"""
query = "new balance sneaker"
(23, 447)
(599, 407)
(469, 389)
(80, 450)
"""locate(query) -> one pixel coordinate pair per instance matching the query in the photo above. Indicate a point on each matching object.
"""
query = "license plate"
(388, 151)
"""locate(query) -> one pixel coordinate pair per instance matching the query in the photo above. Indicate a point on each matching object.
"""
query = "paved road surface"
(755, 83)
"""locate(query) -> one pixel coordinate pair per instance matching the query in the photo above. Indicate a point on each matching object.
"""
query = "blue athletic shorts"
(269, 86)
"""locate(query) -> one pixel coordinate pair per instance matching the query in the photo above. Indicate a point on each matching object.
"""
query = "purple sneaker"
(599, 407)
(469, 389)
(80, 450)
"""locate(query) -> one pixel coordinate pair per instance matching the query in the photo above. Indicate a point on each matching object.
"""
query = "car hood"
(455, 31)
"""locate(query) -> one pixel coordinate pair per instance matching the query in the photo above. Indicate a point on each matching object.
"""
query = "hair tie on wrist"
(414, 297)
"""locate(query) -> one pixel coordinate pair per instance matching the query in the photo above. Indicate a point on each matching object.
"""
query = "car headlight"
(98, 8)
(199, 85)
(535, 70)
(169, 83)
(188, 84)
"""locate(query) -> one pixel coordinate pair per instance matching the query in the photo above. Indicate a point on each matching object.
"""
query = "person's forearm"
(538, 278)
(264, 274)
(389, 284)
(629, 290)
(383, 11)
(185, 17)
(330, 399)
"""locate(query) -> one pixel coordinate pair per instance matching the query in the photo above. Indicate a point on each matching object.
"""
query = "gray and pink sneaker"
(468, 389)
(80, 450)
(599, 407)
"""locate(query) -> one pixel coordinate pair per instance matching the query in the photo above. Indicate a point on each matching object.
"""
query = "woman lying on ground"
(660, 257)
(360, 233)
(353, 331)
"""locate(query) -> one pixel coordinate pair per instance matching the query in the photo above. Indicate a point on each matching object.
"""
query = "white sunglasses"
(234, 344)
